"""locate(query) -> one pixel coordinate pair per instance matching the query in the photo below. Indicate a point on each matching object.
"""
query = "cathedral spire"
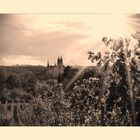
(48, 64)
(61, 60)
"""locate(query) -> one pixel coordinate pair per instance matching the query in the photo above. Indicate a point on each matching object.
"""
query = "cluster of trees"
(120, 78)
(16, 85)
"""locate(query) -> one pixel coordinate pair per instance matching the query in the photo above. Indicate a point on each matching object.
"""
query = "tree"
(66, 70)
(13, 81)
(2, 79)
(28, 80)
(116, 68)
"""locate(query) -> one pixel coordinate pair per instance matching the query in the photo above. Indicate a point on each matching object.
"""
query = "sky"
(34, 39)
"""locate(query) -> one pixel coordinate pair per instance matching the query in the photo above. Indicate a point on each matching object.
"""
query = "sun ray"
(75, 77)
(83, 68)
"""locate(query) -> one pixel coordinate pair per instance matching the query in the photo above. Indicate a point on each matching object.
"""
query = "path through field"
(12, 117)
(16, 120)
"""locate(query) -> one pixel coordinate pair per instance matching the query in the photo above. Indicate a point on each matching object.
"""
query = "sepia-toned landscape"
(70, 70)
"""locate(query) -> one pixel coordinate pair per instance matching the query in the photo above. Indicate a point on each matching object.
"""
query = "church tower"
(60, 65)
(56, 70)
(60, 61)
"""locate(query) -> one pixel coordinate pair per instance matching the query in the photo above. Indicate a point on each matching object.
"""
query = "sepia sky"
(35, 38)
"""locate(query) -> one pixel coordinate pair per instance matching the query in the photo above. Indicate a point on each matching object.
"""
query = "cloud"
(74, 25)
(37, 38)
(134, 21)
(20, 59)
(22, 41)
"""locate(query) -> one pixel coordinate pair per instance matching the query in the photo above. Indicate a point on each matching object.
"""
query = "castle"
(53, 71)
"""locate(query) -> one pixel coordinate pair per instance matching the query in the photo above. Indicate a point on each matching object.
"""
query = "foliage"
(117, 82)
(13, 81)
(111, 98)
(28, 81)
(2, 79)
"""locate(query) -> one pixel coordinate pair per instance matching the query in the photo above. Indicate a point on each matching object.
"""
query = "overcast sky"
(35, 38)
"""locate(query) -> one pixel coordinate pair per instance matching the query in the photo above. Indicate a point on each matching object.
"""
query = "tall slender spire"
(61, 60)
(48, 64)
(58, 61)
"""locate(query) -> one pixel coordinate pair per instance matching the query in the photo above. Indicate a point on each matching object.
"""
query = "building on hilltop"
(60, 61)
(53, 71)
